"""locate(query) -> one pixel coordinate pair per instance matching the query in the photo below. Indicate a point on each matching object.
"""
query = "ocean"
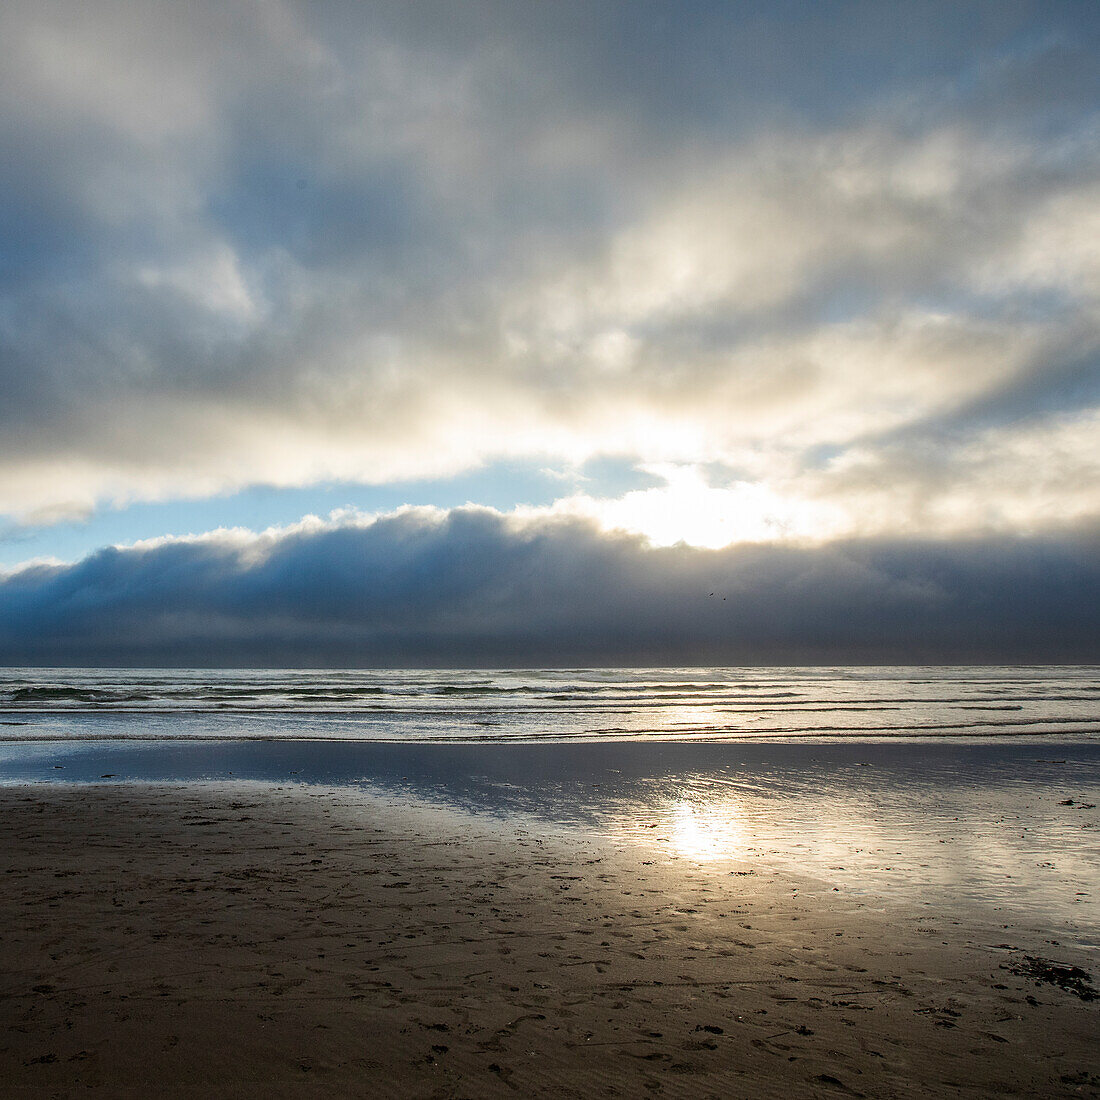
(666, 704)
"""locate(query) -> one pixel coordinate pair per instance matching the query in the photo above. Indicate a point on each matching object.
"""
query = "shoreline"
(242, 939)
(853, 735)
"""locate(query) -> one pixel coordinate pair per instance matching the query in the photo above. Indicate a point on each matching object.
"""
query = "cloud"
(1022, 478)
(471, 587)
(280, 243)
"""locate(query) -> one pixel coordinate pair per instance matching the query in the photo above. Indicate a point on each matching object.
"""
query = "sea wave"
(535, 704)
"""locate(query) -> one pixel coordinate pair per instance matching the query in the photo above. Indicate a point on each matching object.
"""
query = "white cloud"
(1023, 478)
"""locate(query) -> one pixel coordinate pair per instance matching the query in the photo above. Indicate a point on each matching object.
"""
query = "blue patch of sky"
(501, 485)
(819, 457)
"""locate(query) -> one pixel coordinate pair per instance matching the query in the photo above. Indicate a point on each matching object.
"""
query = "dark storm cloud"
(470, 587)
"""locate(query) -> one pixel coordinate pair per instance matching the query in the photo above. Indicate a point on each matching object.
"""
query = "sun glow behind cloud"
(687, 509)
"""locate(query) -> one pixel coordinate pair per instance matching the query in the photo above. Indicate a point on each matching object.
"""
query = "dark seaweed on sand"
(1070, 978)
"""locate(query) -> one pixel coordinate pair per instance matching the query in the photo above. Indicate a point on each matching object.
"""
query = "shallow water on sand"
(1010, 827)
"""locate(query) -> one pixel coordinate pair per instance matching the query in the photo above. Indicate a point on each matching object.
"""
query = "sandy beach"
(254, 940)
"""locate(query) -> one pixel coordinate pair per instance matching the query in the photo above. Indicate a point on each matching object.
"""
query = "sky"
(423, 332)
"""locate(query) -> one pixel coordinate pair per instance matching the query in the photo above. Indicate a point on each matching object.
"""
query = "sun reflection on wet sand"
(707, 832)
(924, 845)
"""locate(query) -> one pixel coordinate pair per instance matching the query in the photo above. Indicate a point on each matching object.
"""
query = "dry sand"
(254, 941)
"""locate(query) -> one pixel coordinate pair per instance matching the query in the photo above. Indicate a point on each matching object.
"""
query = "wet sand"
(249, 940)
